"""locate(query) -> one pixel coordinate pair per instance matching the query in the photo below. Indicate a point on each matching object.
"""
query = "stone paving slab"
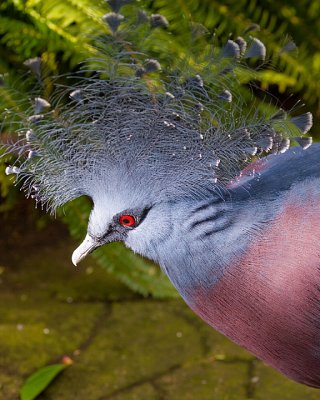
(272, 385)
(33, 334)
(124, 347)
(139, 341)
(206, 381)
(9, 385)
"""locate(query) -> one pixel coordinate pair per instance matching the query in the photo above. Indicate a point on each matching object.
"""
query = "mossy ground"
(124, 347)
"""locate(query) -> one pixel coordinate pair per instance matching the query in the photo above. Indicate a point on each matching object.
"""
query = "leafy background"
(61, 32)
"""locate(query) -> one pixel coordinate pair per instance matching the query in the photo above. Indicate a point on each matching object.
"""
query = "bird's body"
(246, 258)
(253, 272)
(160, 159)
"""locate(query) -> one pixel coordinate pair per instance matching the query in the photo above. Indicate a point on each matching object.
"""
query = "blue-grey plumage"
(176, 168)
(246, 258)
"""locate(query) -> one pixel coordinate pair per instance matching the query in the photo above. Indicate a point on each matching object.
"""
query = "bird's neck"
(206, 236)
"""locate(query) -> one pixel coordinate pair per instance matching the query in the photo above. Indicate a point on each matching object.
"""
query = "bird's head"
(126, 212)
(111, 225)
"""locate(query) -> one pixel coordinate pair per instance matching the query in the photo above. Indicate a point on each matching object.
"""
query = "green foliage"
(60, 32)
(40, 380)
(278, 22)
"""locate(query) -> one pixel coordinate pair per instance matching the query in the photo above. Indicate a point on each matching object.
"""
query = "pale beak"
(85, 248)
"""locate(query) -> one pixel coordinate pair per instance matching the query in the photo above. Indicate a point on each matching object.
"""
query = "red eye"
(127, 221)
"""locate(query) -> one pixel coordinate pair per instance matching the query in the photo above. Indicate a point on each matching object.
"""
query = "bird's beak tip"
(86, 247)
(74, 259)
(77, 256)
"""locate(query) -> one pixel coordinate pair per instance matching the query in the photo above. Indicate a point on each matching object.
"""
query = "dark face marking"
(122, 223)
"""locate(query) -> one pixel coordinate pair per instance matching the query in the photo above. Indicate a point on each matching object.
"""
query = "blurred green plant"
(41, 379)
(61, 33)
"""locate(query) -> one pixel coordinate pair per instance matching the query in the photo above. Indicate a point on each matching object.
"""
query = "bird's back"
(277, 172)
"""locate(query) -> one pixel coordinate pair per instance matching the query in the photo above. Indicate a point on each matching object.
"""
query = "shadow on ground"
(124, 347)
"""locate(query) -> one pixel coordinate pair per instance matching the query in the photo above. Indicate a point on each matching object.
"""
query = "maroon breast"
(269, 300)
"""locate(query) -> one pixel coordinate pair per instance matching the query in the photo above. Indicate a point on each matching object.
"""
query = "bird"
(185, 173)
